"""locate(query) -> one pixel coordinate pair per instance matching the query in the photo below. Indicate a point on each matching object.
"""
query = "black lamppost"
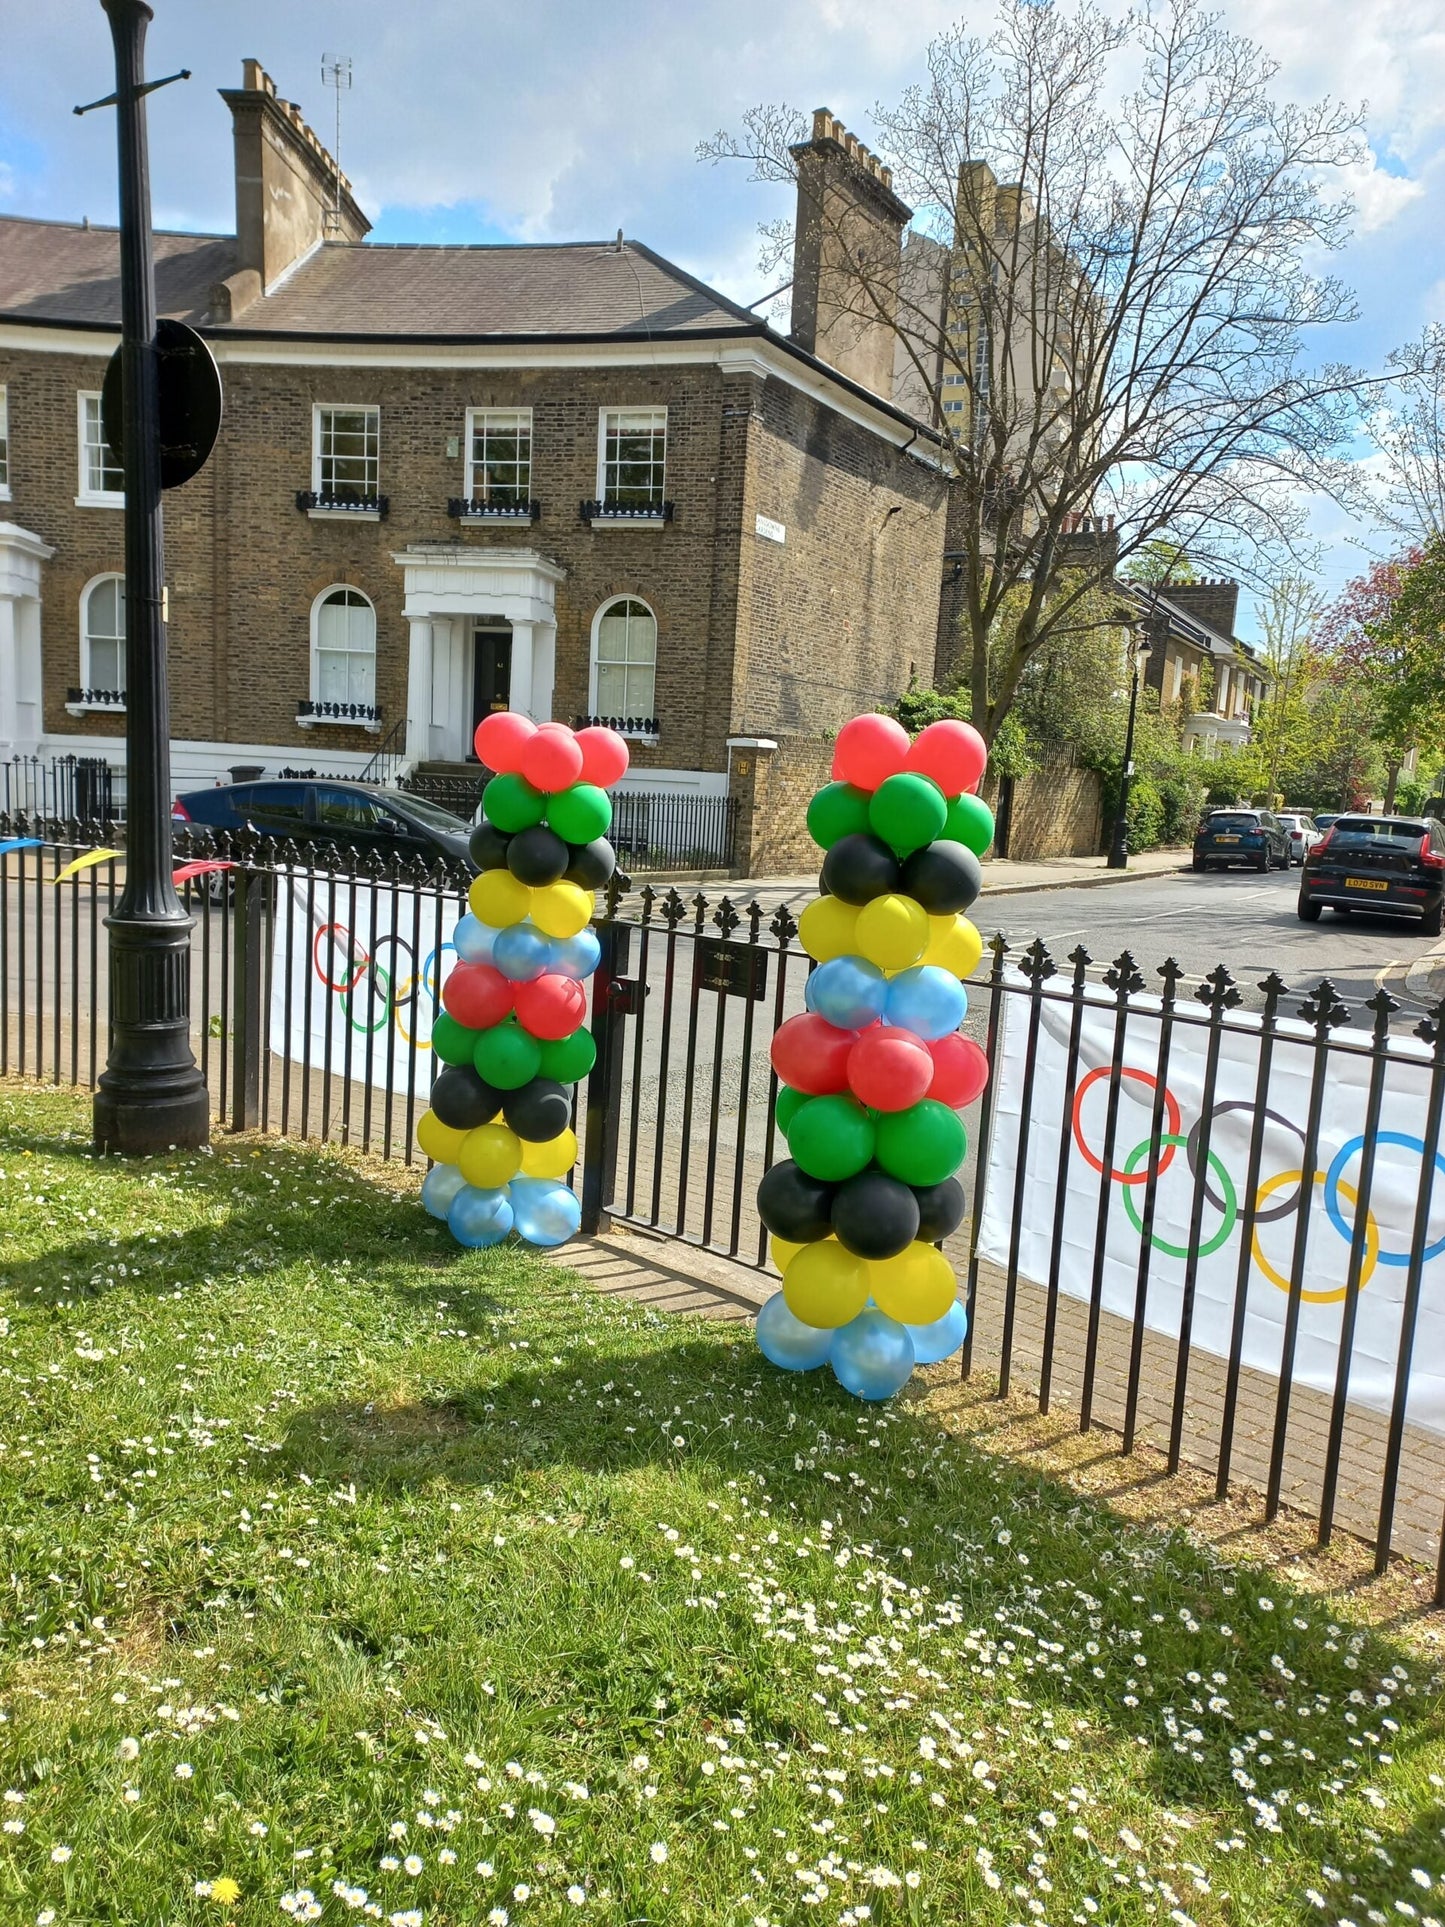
(1139, 654)
(151, 1094)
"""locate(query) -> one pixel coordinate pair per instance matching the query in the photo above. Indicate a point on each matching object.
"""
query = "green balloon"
(836, 811)
(568, 1059)
(511, 804)
(907, 811)
(922, 1145)
(580, 814)
(970, 822)
(831, 1137)
(789, 1103)
(452, 1042)
(507, 1057)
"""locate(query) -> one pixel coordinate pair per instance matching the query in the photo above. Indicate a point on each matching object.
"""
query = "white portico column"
(534, 665)
(418, 691)
(22, 719)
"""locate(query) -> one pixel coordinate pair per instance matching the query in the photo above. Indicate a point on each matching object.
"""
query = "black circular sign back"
(189, 390)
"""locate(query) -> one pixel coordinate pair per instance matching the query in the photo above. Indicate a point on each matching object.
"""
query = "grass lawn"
(348, 1575)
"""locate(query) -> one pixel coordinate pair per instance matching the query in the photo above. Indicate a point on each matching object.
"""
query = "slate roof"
(59, 272)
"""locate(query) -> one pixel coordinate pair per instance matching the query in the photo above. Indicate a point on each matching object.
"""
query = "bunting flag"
(189, 870)
(10, 843)
(83, 863)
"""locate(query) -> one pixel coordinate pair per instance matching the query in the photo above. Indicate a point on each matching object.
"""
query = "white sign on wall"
(1071, 1129)
(770, 530)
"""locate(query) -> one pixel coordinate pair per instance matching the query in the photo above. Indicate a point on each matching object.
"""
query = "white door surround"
(22, 556)
(447, 591)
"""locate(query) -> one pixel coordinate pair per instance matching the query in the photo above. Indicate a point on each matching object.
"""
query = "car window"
(339, 809)
(278, 804)
(1232, 820)
(1379, 829)
(434, 816)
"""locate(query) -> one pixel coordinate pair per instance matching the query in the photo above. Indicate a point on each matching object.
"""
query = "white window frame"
(87, 677)
(643, 517)
(372, 724)
(4, 443)
(88, 497)
(357, 514)
(477, 419)
(593, 702)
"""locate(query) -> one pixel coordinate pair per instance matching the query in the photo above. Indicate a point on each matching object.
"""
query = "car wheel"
(1308, 912)
(1433, 921)
(1265, 863)
(1199, 866)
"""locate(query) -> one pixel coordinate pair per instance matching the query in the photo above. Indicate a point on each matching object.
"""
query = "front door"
(491, 673)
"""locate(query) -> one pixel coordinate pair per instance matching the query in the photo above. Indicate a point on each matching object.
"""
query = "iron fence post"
(604, 1082)
(248, 951)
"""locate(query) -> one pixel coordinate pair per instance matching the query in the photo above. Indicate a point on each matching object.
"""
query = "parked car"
(1255, 837)
(1303, 834)
(1394, 865)
(1326, 819)
(330, 814)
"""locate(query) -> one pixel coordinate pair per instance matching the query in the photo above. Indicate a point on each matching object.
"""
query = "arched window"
(624, 659)
(102, 634)
(343, 647)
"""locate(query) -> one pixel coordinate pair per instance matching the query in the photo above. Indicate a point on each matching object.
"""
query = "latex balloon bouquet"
(511, 1037)
(874, 1073)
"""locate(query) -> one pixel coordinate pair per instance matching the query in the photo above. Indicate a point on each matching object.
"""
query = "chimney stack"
(1213, 602)
(847, 255)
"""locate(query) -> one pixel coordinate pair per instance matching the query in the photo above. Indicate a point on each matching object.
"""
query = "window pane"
(611, 690)
(348, 444)
(331, 676)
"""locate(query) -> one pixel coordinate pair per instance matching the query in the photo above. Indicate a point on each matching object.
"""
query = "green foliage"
(1146, 814)
(916, 708)
(1158, 563)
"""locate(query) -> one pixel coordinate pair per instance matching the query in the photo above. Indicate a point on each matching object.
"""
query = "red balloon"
(604, 756)
(477, 995)
(960, 1070)
(952, 753)
(551, 759)
(812, 1055)
(551, 1007)
(501, 738)
(889, 1068)
(869, 749)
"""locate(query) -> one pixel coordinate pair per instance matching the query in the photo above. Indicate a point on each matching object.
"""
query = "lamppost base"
(146, 1123)
(152, 1096)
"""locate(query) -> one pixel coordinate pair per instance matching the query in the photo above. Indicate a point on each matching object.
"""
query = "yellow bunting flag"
(83, 863)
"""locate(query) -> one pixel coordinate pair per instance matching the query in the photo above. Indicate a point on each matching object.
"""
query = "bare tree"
(1405, 489)
(1132, 224)
(1287, 618)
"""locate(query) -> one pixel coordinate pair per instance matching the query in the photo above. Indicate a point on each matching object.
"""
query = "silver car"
(1303, 834)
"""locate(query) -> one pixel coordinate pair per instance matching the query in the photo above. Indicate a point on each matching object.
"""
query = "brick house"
(1198, 661)
(571, 479)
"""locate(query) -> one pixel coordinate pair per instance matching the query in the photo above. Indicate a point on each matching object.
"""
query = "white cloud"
(1378, 195)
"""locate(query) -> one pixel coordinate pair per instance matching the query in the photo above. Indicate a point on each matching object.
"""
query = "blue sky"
(480, 120)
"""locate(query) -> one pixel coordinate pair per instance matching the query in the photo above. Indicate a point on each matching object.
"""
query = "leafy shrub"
(1146, 814)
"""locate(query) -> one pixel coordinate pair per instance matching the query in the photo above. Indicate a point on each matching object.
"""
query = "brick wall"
(773, 789)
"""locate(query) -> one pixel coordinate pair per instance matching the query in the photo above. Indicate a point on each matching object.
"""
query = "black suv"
(1391, 864)
(1254, 837)
(334, 815)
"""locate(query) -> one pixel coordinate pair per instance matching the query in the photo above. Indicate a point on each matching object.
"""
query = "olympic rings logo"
(390, 990)
(1152, 1158)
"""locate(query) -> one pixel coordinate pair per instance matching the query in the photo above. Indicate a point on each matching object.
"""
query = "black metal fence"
(312, 990)
(62, 788)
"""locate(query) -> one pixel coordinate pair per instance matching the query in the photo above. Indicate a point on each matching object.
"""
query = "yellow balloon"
(915, 1287)
(497, 898)
(490, 1155)
(440, 1142)
(554, 1159)
(892, 932)
(782, 1251)
(561, 909)
(954, 945)
(826, 928)
(824, 1285)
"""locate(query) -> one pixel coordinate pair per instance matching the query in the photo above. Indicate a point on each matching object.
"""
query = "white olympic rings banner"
(1068, 1130)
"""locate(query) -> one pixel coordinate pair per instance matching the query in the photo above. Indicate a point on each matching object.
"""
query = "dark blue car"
(1255, 838)
(326, 813)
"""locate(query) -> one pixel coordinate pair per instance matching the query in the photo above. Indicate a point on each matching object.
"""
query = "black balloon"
(794, 1206)
(940, 1210)
(859, 868)
(489, 847)
(538, 856)
(592, 863)
(463, 1100)
(539, 1111)
(943, 877)
(875, 1216)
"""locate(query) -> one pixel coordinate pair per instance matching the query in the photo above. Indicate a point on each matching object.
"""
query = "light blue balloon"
(544, 1211)
(440, 1185)
(473, 940)
(847, 991)
(576, 957)
(480, 1218)
(785, 1340)
(926, 1000)
(942, 1338)
(522, 952)
(872, 1356)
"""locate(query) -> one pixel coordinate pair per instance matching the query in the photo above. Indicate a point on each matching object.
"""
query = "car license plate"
(1366, 883)
(1226, 839)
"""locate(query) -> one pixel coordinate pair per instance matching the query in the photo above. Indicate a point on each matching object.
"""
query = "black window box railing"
(310, 712)
(461, 510)
(310, 498)
(627, 512)
(627, 725)
(97, 698)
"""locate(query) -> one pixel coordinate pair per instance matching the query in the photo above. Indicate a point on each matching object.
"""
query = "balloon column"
(875, 1072)
(510, 1038)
